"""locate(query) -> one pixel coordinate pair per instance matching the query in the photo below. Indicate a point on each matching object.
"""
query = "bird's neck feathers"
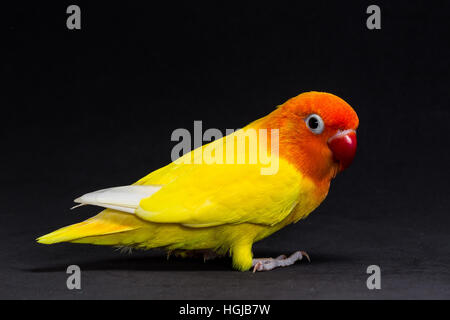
(310, 158)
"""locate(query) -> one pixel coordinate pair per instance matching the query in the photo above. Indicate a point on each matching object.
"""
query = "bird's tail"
(109, 227)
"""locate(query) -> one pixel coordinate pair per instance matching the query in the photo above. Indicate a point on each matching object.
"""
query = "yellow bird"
(226, 195)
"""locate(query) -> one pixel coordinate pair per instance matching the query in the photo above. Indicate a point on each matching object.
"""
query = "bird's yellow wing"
(201, 195)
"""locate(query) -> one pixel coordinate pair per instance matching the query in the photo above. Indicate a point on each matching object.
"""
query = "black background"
(94, 108)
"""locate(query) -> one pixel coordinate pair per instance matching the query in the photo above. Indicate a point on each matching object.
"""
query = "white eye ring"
(315, 123)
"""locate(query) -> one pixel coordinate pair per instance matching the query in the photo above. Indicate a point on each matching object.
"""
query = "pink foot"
(266, 264)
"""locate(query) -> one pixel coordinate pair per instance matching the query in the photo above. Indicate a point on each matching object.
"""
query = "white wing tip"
(124, 198)
(77, 200)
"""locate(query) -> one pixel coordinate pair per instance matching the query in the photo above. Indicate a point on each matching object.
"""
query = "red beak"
(343, 146)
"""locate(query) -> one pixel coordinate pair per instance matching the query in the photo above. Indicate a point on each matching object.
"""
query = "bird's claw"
(265, 264)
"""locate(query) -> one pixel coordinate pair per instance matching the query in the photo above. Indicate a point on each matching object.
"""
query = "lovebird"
(222, 197)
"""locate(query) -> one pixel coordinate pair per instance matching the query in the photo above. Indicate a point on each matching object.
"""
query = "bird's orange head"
(317, 133)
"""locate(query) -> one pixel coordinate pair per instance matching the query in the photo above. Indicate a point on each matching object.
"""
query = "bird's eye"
(315, 123)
